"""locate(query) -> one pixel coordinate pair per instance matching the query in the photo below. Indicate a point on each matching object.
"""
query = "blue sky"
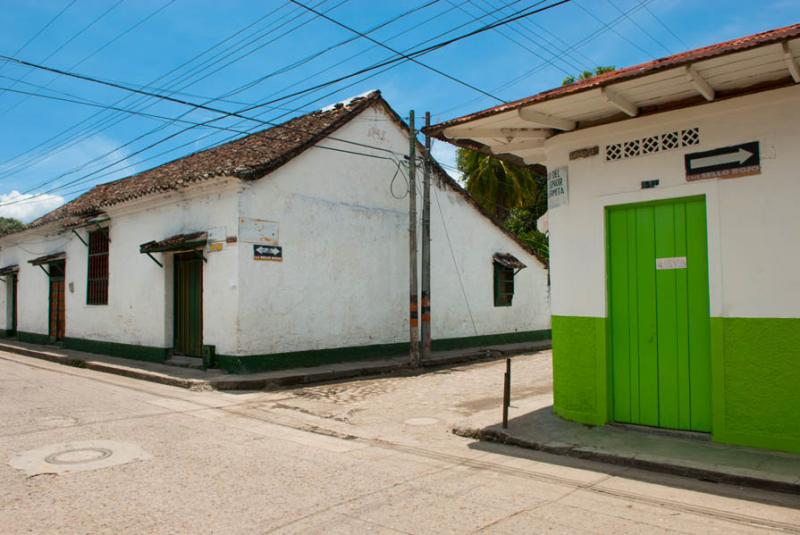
(53, 150)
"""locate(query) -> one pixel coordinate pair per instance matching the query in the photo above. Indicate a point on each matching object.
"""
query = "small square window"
(503, 285)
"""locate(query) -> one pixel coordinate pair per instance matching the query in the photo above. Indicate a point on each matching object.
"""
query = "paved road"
(362, 456)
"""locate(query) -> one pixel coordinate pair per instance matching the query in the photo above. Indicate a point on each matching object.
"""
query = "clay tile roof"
(248, 158)
(635, 71)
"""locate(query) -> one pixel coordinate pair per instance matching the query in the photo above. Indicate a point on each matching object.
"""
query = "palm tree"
(497, 185)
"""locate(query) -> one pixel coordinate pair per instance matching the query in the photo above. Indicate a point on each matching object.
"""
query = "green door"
(659, 314)
(189, 304)
(11, 288)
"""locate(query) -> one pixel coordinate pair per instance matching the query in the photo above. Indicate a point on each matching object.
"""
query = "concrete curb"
(272, 380)
(497, 435)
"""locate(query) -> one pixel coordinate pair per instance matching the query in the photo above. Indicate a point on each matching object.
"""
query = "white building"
(286, 248)
(673, 229)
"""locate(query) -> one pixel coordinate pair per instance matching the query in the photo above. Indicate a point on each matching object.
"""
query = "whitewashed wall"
(139, 309)
(344, 278)
(752, 222)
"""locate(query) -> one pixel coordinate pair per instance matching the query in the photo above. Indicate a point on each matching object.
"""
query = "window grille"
(97, 279)
(652, 144)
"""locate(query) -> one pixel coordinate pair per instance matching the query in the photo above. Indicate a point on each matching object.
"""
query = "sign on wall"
(253, 230)
(272, 253)
(725, 162)
(557, 187)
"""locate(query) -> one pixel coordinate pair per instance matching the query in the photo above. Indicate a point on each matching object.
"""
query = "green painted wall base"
(302, 359)
(112, 349)
(755, 378)
(580, 385)
(756, 370)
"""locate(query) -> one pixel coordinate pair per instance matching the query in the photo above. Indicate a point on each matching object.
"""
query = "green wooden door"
(659, 314)
(12, 287)
(189, 304)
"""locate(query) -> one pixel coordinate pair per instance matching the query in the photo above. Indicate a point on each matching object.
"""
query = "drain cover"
(421, 421)
(77, 457)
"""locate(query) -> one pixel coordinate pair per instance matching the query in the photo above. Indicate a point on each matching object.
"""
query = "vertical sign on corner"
(557, 187)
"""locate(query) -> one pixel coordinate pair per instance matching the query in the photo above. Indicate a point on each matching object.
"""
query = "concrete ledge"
(195, 379)
(686, 465)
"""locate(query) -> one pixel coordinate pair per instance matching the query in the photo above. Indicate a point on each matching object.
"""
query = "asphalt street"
(373, 455)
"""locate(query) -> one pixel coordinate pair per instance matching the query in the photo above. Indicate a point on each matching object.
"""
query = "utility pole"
(426, 244)
(412, 242)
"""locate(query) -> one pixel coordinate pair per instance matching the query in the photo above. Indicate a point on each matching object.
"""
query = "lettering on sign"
(674, 262)
(557, 187)
(725, 162)
(270, 253)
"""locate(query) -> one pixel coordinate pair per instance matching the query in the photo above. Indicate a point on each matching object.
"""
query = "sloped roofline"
(628, 73)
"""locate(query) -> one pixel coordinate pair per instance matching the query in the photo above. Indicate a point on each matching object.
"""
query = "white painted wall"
(139, 309)
(344, 278)
(752, 221)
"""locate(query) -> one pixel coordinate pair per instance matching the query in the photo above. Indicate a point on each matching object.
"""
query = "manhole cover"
(78, 455)
(421, 421)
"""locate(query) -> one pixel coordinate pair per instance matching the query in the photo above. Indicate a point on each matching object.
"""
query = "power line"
(43, 28)
(642, 28)
(75, 36)
(630, 42)
(594, 35)
(664, 24)
(390, 49)
(104, 124)
(517, 16)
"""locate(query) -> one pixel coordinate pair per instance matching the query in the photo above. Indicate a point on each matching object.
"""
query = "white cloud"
(28, 206)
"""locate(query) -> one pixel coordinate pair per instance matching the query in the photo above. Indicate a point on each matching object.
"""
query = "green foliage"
(513, 193)
(497, 185)
(9, 225)
(585, 75)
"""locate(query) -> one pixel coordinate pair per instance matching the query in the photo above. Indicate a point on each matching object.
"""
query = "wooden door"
(12, 299)
(57, 305)
(189, 304)
(659, 319)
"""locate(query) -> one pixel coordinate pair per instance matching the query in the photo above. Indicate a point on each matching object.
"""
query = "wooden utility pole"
(412, 242)
(426, 244)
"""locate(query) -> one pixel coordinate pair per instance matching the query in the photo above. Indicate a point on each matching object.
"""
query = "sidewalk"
(685, 454)
(195, 379)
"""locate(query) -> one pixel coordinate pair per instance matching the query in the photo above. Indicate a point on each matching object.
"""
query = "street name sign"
(725, 162)
(557, 187)
(272, 253)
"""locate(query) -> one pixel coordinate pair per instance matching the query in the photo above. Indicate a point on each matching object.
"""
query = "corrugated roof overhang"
(518, 130)
(179, 242)
(9, 270)
(46, 259)
(508, 260)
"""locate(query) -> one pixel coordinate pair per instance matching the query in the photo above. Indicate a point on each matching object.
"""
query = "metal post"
(412, 242)
(426, 244)
(506, 392)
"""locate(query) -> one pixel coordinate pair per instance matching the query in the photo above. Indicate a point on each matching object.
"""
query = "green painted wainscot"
(755, 368)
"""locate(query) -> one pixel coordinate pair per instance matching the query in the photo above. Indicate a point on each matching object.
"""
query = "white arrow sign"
(740, 156)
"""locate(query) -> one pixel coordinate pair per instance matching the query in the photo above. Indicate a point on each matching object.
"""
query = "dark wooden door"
(12, 290)
(57, 307)
(189, 304)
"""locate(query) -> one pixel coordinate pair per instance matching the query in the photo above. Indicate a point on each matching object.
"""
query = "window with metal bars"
(97, 279)
(503, 285)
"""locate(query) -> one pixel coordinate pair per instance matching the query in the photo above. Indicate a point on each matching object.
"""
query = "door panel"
(189, 304)
(57, 319)
(659, 318)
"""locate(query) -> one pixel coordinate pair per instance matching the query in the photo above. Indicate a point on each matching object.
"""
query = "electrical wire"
(390, 49)
(641, 28)
(664, 25)
(629, 41)
(516, 16)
